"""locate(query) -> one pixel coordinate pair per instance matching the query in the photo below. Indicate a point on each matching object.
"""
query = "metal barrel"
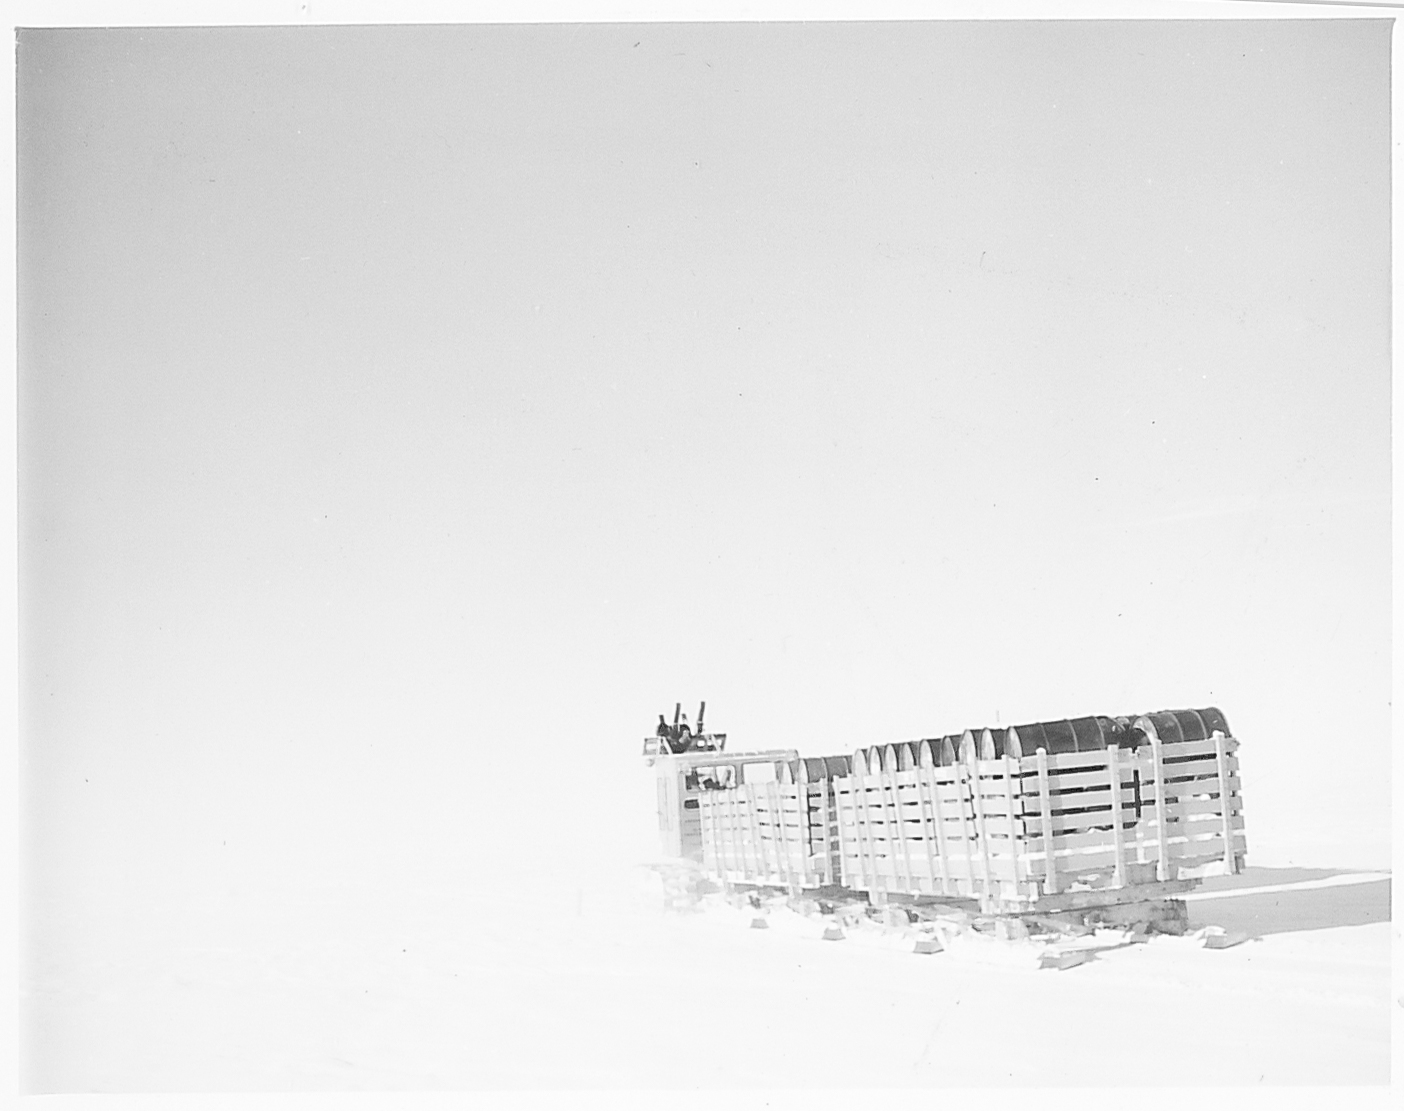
(1062, 737)
(937, 745)
(1094, 733)
(1178, 726)
(1167, 725)
(899, 756)
(811, 769)
(998, 742)
(1032, 737)
(943, 749)
(1087, 734)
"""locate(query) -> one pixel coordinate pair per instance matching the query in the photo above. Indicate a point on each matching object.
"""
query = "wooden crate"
(779, 834)
(1014, 831)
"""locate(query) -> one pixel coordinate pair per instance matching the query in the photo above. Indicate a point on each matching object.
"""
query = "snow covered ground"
(406, 985)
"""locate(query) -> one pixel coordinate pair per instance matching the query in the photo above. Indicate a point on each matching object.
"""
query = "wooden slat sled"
(774, 834)
(1017, 833)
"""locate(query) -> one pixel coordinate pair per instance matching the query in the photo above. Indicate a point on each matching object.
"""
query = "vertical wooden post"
(765, 793)
(1221, 756)
(737, 802)
(782, 815)
(825, 787)
(1014, 839)
(778, 791)
(771, 828)
(704, 818)
(860, 834)
(1162, 861)
(806, 827)
(965, 827)
(856, 833)
(799, 870)
(768, 791)
(718, 845)
(888, 781)
(779, 835)
(723, 842)
(860, 786)
(745, 857)
(722, 815)
(704, 828)
(718, 841)
(981, 835)
(939, 818)
(1045, 810)
(928, 844)
(762, 865)
(1118, 834)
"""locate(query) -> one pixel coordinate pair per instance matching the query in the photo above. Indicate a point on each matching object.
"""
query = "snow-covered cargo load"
(781, 832)
(1038, 818)
(1036, 831)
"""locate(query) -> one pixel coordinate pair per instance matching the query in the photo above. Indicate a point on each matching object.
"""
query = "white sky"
(406, 410)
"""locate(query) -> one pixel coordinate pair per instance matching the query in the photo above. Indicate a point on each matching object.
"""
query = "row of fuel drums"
(1054, 737)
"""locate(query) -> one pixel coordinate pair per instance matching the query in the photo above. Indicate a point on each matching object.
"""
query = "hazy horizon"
(409, 412)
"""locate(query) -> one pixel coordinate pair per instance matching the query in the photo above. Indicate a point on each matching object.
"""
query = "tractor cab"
(685, 764)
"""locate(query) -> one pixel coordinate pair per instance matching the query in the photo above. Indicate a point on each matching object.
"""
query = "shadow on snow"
(1280, 912)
